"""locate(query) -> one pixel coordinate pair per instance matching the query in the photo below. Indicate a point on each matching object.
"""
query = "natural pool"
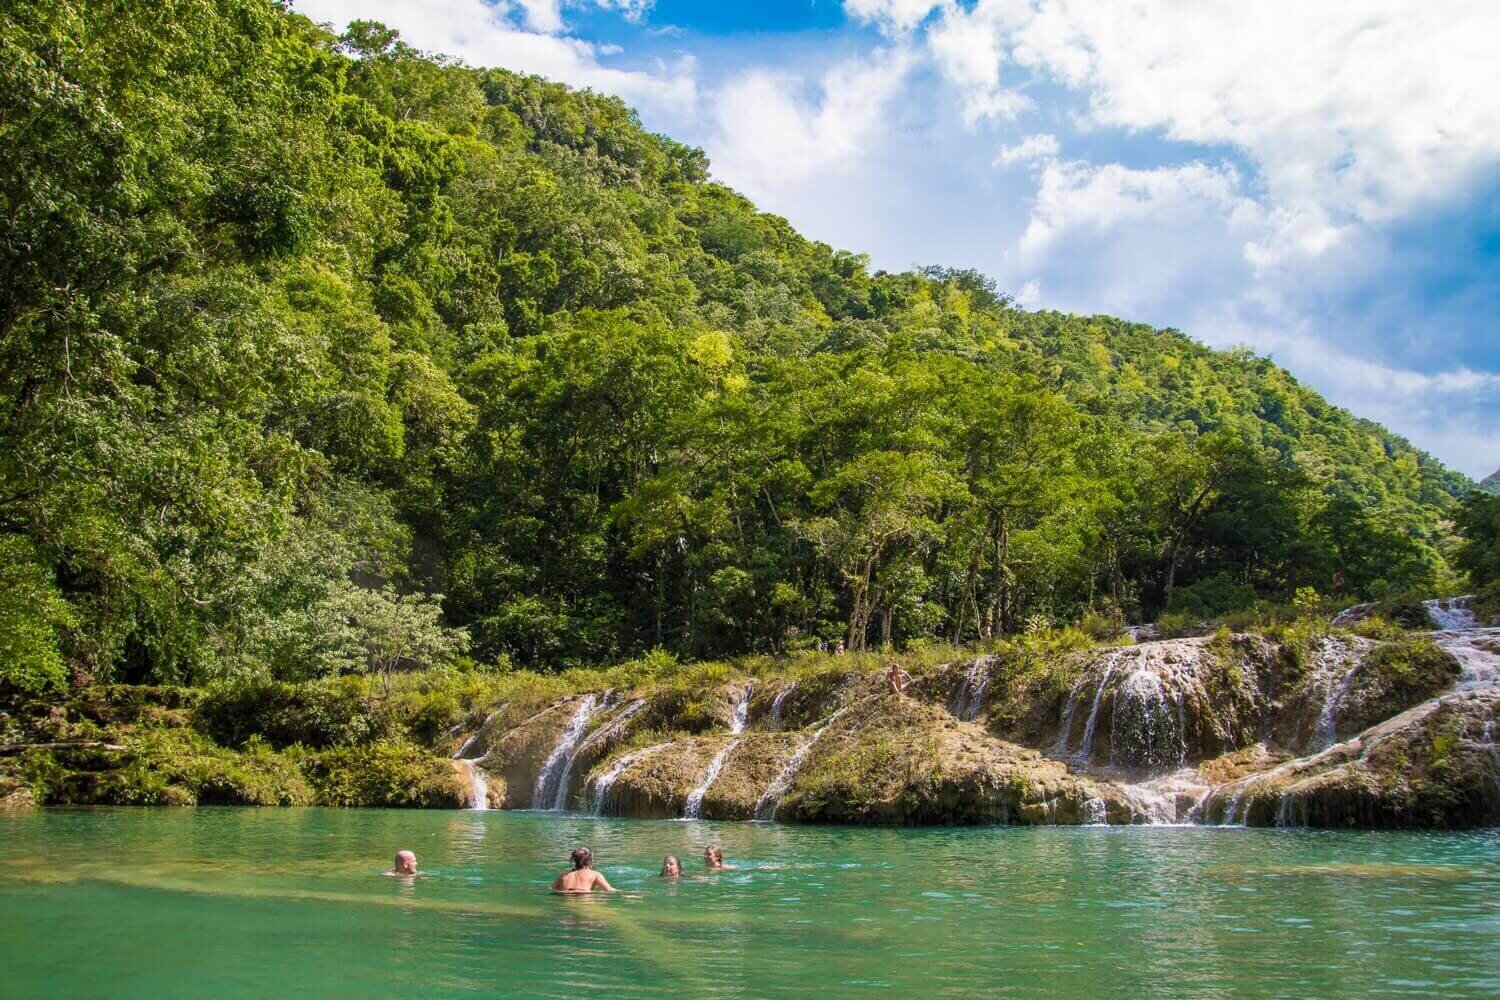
(245, 902)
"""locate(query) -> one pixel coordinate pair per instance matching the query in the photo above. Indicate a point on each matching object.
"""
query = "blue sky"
(1318, 182)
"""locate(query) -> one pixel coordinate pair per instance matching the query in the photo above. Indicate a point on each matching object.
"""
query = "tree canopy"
(300, 330)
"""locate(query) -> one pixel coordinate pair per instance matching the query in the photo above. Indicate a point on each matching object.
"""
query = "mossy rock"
(517, 755)
(1394, 676)
(891, 760)
(1433, 766)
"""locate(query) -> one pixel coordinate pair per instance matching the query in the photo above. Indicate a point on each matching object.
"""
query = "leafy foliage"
(299, 330)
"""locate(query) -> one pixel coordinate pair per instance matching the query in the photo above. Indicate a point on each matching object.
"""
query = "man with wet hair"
(405, 863)
(713, 859)
(582, 877)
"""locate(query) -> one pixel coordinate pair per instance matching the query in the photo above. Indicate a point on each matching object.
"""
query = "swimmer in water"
(405, 863)
(582, 877)
(713, 857)
(671, 867)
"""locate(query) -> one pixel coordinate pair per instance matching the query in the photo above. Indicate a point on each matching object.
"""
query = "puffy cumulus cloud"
(773, 131)
(1074, 196)
(523, 35)
(1032, 149)
(966, 47)
(1142, 243)
(896, 16)
(1351, 113)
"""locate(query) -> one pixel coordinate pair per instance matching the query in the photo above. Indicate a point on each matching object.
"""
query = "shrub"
(383, 773)
(316, 714)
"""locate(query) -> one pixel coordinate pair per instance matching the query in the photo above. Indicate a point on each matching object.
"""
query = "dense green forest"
(319, 353)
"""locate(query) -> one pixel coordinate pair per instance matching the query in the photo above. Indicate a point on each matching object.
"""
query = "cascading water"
(463, 751)
(551, 789)
(694, 807)
(1086, 747)
(1094, 813)
(777, 702)
(1065, 727)
(478, 783)
(1453, 614)
(1145, 725)
(969, 698)
(602, 784)
(770, 801)
(1326, 730)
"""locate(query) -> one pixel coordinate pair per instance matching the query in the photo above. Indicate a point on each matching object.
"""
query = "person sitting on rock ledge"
(713, 857)
(671, 867)
(582, 877)
(897, 679)
(405, 863)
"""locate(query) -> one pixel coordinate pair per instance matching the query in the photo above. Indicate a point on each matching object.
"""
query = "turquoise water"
(245, 902)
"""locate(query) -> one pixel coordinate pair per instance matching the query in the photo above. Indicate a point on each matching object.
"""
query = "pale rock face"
(1199, 730)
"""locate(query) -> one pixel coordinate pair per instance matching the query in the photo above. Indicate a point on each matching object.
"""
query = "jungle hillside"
(323, 355)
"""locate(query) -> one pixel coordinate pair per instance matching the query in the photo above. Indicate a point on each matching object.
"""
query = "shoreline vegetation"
(358, 405)
(1246, 706)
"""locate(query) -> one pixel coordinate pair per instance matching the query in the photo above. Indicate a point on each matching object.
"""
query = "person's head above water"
(583, 857)
(405, 863)
(671, 867)
(713, 856)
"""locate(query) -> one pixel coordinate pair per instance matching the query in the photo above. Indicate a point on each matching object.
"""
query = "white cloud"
(632, 10)
(967, 50)
(894, 16)
(1352, 113)
(773, 134)
(541, 15)
(485, 35)
(1032, 149)
(1030, 295)
(1074, 195)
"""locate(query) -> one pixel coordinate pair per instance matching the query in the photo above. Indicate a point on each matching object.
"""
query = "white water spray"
(969, 698)
(1086, 748)
(599, 796)
(478, 783)
(770, 802)
(551, 790)
(777, 702)
(694, 807)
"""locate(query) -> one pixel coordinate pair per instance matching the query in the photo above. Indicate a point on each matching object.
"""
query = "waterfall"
(1477, 651)
(969, 698)
(1094, 813)
(1326, 731)
(551, 790)
(776, 704)
(478, 782)
(770, 802)
(741, 715)
(1145, 729)
(463, 751)
(694, 807)
(1066, 725)
(602, 784)
(1453, 614)
(1086, 748)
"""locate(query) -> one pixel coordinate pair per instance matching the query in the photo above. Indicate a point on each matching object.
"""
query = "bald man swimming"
(405, 863)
